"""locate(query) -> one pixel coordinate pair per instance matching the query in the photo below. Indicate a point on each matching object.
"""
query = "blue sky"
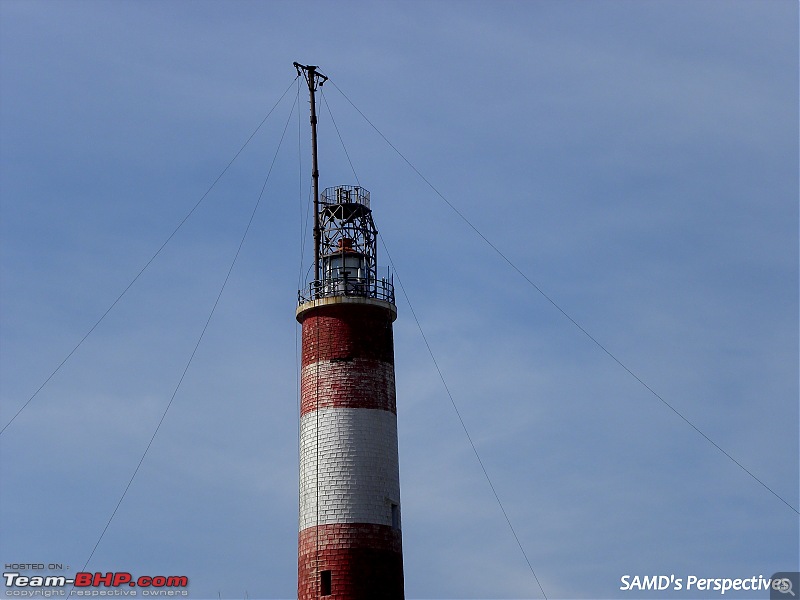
(637, 160)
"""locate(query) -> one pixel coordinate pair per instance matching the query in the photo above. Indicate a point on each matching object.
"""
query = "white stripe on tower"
(358, 467)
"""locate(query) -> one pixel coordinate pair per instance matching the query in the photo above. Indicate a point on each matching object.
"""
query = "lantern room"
(348, 247)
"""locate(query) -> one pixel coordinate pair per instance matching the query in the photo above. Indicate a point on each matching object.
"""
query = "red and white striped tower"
(350, 545)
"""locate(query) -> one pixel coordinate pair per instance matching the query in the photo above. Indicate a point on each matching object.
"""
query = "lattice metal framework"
(348, 247)
(345, 214)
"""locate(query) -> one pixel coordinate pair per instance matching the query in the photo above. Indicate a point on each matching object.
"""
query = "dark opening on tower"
(325, 583)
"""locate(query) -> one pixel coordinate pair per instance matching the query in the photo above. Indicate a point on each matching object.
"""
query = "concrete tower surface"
(350, 545)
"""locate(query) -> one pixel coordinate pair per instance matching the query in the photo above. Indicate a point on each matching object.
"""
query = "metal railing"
(380, 289)
(344, 194)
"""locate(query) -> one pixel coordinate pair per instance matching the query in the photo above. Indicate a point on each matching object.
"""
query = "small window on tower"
(325, 583)
(395, 516)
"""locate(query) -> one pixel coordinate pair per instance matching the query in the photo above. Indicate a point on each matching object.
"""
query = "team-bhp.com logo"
(95, 580)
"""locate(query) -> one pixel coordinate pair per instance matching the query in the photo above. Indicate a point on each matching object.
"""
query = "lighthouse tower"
(350, 545)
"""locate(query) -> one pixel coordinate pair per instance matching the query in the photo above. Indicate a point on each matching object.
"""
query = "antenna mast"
(314, 77)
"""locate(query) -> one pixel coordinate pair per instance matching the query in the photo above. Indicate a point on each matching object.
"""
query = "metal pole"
(312, 74)
(312, 77)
